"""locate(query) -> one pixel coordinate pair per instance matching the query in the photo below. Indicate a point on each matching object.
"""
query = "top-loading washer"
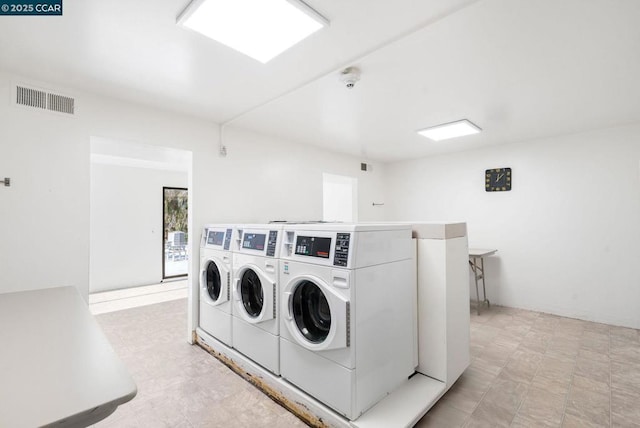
(215, 281)
(255, 293)
(346, 333)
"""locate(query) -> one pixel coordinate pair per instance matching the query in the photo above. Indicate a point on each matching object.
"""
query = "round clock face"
(497, 180)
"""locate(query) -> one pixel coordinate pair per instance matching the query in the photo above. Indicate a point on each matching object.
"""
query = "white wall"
(264, 179)
(44, 215)
(126, 225)
(568, 234)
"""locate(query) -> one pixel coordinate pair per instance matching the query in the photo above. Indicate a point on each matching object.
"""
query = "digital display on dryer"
(215, 237)
(313, 246)
(254, 241)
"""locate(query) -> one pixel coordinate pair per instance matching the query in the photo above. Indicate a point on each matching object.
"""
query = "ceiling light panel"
(445, 131)
(261, 29)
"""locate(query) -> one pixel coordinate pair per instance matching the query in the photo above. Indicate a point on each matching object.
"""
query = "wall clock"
(497, 180)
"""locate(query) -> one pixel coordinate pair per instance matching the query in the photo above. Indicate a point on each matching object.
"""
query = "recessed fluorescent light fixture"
(445, 131)
(261, 29)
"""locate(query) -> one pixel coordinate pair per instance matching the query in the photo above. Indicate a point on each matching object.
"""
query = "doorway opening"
(126, 224)
(340, 198)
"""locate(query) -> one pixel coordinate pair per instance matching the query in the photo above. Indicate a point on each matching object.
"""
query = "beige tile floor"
(528, 370)
(179, 385)
(536, 370)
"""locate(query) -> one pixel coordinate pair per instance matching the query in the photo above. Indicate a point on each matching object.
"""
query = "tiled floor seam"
(468, 419)
(566, 399)
(485, 393)
(528, 386)
(610, 381)
(515, 415)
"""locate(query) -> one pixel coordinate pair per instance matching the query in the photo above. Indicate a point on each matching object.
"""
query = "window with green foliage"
(175, 256)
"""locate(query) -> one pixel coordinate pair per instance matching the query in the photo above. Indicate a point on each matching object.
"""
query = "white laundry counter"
(56, 366)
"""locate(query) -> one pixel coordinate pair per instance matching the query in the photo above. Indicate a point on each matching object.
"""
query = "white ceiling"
(519, 69)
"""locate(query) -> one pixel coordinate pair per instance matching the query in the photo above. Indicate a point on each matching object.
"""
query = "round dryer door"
(317, 315)
(311, 312)
(213, 283)
(256, 296)
(251, 293)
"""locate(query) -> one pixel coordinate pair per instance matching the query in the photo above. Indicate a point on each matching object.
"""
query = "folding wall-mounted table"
(476, 262)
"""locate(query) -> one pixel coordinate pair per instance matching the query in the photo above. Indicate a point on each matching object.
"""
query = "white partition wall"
(443, 300)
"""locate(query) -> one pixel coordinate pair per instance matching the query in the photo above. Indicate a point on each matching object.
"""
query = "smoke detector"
(349, 77)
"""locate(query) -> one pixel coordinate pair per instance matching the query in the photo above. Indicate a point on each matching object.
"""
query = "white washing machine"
(215, 281)
(346, 333)
(255, 293)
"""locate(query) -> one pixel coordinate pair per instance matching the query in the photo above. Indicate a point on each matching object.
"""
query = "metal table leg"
(484, 290)
(478, 274)
(472, 263)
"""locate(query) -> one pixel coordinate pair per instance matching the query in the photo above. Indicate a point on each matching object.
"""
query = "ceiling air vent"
(44, 100)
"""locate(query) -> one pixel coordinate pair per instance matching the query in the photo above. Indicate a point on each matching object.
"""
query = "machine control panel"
(227, 239)
(271, 244)
(215, 237)
(313, 246)
(253, 241)
(341, 253)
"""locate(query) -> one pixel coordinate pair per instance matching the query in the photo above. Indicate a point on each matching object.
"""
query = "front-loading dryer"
(216, 272)
(346, 333)
(255, 294)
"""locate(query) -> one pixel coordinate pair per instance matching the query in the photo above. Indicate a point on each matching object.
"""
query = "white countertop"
(56, 365)
(439, 230)
(435, 229)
